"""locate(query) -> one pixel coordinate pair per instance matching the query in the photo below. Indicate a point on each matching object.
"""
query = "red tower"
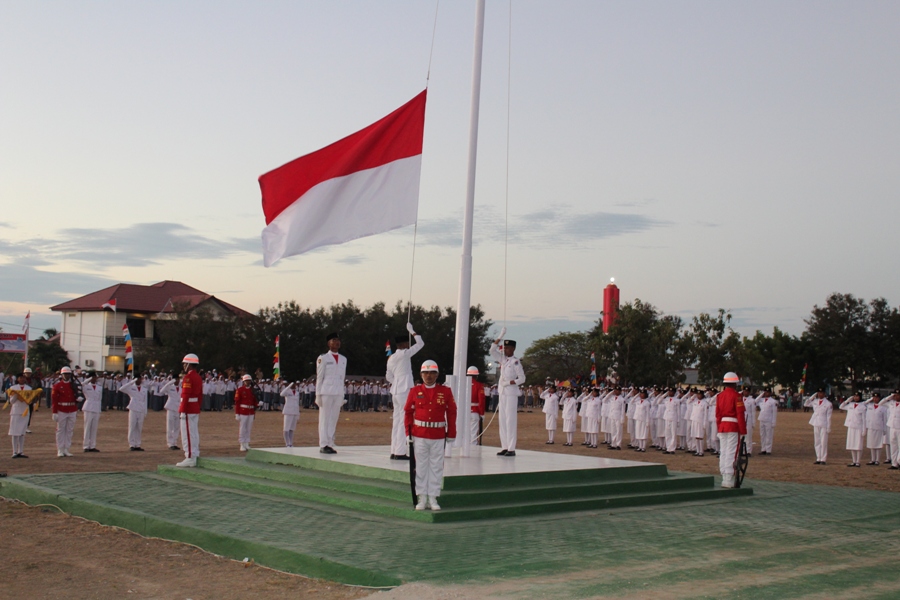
(610, 305)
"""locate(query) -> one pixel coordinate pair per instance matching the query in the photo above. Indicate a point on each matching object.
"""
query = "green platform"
(784, 541)
(483, 486)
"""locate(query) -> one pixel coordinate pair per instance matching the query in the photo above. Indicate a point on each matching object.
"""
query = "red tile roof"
(156, 298)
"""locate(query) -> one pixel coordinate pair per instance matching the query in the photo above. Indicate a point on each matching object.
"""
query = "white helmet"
(429, 366)
(246, 378)
(27, 370)
(731, 377)
(191, 359)
(472, 371)
(65, 370)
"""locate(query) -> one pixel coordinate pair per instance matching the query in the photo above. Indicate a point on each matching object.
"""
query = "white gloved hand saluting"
(410, 329)
(502, 334)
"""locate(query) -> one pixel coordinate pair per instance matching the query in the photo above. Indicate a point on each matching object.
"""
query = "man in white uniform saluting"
(511, 377)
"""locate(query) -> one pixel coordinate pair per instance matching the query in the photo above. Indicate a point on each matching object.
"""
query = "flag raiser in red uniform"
(364, 184)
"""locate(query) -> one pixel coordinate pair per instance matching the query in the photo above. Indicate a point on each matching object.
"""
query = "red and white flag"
(111, 304)
(364, 184)
(27, 321)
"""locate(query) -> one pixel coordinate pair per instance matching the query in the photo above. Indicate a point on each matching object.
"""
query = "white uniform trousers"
(290, 424)
(18, 444)
(329, 412)
(474, 420)
(671, 432)
(190, 434)
(135, 427)
(820, 440)
(245, 428)
(615, 430)
(712, 432)
(895, 446)
(749, 437)
(728, 446)
(399, 445)
(172, 428)
(91, 420)
(65, 427)
(429, 465)
(508, 422)
(766, 434)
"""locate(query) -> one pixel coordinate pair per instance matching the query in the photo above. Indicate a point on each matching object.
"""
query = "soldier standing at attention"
(431, 420)
(64, 409)
(331, 370)
(189, 410)
(731, 426)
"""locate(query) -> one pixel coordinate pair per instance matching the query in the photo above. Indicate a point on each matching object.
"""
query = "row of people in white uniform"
(669, 420)
(873, 423)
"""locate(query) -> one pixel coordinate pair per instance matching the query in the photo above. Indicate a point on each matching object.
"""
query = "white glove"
(410, 329)
(409, 439)
(502, 334)
(451, 440)
(55, 416)
(237, 417)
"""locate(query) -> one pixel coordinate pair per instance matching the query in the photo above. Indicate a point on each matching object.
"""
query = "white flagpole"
(460, 358)
(27, 337)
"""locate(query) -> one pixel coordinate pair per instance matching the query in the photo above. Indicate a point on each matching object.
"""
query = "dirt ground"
(103, 562)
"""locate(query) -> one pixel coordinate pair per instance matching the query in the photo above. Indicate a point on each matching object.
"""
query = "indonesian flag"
(111, 304)
(364, 184)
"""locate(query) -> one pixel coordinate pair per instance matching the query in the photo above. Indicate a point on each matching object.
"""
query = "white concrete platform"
(483, 460)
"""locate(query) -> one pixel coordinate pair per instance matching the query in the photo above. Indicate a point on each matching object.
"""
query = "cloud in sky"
(137, 245)
(24, 283)
(538, 228)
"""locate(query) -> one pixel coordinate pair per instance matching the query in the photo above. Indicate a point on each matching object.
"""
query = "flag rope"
(506, 183)
(437, 5)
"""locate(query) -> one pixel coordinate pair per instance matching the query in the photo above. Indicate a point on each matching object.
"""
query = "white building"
(93, 336)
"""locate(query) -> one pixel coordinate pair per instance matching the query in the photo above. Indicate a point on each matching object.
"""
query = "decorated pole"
(276, 367)
(129, 351)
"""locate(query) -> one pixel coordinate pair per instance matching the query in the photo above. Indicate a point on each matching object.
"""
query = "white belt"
(193, 399)
(729, 419)
(429, 424)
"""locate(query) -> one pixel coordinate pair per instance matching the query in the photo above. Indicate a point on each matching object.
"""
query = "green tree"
(839, 333)
(714, 347)
(47, 357)
(643, 347)
(561, 356)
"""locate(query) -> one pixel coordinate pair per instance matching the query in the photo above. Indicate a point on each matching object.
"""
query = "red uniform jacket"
(191, 393)
(62, 398)
(478, 397)
(730, 412)
(431, 405)
(244, 401)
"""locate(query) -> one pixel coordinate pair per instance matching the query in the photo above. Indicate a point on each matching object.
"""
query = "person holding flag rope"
(399, 375)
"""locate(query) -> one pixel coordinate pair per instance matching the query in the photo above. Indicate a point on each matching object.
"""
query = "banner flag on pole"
(364, 184)
(129, 351)
(803, 379)
(27, 323)
(387, 348)
(276, 369)
(111, 304)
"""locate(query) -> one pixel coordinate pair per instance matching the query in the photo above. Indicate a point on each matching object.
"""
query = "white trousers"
(65, 427)
(508, 422)
(190, 434)
(91, 420)
(728, 446)
(616, 432)
(329, 412)
(399, 445)
(895, 446)
(135, 427)
(671, 428)
(172, 428)
(429, 466)
(18, 444)
(820, 440)
(474, 420)
(766, 434)
(245, 428)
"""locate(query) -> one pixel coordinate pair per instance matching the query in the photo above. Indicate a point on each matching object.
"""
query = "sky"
(705, 154)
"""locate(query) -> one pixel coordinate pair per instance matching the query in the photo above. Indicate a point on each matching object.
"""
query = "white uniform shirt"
(93, 394)
(331, 370)
(291, 401)
(511, 373)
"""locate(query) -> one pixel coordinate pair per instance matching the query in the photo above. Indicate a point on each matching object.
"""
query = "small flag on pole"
(111, 304)
(387, 348)
(129, 351)
(276, 369)
(27, 321)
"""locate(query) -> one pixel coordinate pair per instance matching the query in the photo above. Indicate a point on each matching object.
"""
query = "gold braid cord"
(27, 396)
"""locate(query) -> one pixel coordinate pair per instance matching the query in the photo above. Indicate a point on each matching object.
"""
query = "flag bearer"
(399, 375)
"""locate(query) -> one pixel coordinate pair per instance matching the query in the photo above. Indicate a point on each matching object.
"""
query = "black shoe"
(87, 449)
(401, 457)
(94, 450)
(852, 465)
(502, 453)
(327, 450)
(817, 463)
(513, 453)
(549, 442)
(890, 468)
(872, 463)
(174, 448)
